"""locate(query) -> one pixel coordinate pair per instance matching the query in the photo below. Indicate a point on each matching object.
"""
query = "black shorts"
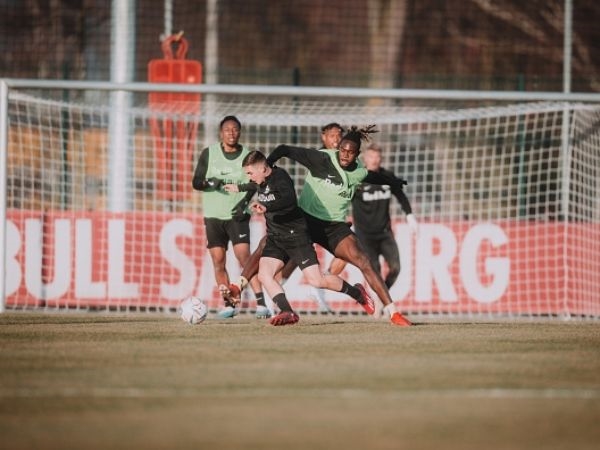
(299, 249)
(220, 232)
(325, 233)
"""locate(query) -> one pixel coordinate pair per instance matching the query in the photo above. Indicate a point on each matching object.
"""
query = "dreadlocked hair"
(357, 135)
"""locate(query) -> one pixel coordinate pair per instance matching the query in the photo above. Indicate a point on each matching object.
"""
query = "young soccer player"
(224, 216)
(287, 237)
(331, 135)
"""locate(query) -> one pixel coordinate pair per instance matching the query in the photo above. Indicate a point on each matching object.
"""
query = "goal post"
(3, 172)
(507, 197)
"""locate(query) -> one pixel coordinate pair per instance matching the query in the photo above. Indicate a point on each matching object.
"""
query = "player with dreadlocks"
(325, 199)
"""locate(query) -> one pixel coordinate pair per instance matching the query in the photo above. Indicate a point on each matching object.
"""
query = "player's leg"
(268, 267)
(316, 278)
(287, 270)
(251, 266)
(234, 290)
(240, 237)
(391, 255)
(242, 253)
(329, 235)
(217, 241)
(336, 266)
(319, 235)
(316, 294)
(349, 249)
(306, 258)
(218, 257)
(372, 249)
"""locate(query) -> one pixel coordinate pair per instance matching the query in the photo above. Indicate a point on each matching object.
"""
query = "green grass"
(142, 381)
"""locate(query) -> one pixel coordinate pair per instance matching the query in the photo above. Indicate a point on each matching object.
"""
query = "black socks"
(350, 290)
(282, 302)
(260, 299)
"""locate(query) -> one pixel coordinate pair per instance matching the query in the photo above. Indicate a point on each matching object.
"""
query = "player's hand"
(214, 183)
(413, 224)
(236, 293)
(257, 208)
(231, 293)
(231, 188)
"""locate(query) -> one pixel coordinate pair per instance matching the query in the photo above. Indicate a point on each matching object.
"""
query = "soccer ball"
(193, 310)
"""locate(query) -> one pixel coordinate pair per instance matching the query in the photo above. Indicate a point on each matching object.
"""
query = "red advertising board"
(152, 260)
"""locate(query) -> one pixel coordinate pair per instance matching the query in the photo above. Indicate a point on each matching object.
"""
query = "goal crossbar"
(304, 91)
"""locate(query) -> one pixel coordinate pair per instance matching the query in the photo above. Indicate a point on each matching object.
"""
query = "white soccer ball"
(193, 310)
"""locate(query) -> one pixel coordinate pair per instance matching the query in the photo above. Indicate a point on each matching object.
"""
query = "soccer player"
(371, 217)
(225, 216)
(287, 237)
(331, 135)
(325, 199)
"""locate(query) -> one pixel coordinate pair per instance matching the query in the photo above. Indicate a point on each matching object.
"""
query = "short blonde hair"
(374, 147)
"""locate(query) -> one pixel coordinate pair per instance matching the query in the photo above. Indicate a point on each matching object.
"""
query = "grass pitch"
(86, 381)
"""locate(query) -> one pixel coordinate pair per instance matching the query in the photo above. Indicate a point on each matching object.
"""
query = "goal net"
(507, 197)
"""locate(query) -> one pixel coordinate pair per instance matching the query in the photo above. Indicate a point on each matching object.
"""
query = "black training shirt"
(278, 196)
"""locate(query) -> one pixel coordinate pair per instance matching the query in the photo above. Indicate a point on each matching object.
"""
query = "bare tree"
(546, 26)
(55, 36)
(386, 20)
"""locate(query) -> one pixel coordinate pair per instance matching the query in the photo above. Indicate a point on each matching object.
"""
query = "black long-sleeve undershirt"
(319, 164)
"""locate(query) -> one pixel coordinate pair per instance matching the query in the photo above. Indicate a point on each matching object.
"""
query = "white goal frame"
(116, 89)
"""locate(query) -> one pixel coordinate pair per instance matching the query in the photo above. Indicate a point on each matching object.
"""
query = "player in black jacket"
(287, 236)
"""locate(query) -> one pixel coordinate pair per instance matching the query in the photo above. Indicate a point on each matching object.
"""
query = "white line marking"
(498, 393)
